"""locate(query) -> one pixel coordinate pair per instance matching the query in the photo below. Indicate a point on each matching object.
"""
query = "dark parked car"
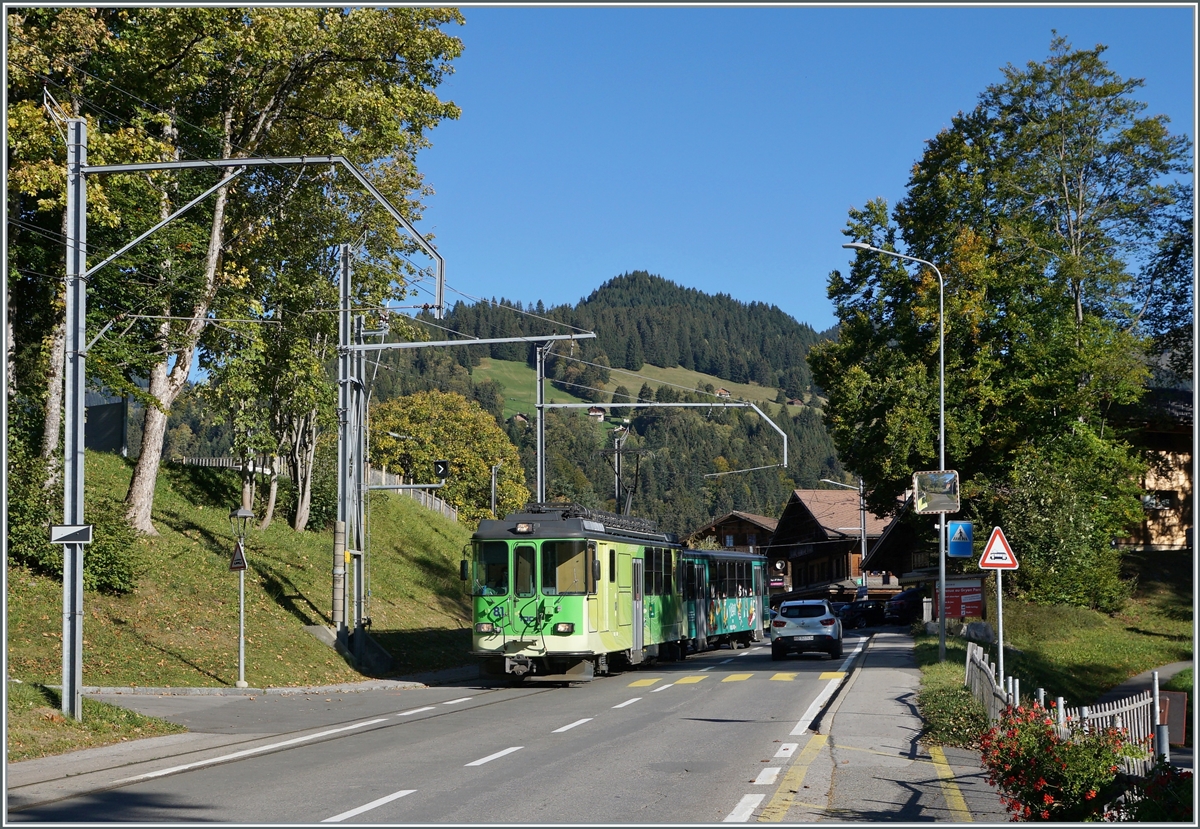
(863, 613)
(905, 606)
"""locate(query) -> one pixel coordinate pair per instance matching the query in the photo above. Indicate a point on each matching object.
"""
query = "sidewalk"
(868, 764)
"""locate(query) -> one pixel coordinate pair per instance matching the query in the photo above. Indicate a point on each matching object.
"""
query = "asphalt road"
(700, 741)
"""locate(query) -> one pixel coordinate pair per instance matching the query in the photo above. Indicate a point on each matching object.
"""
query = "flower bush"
(1044, 775)
(1166, 795)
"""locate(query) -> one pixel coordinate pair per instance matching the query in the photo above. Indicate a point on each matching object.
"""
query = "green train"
(564, 593)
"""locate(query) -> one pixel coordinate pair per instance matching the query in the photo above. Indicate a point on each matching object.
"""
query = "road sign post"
(998, 556)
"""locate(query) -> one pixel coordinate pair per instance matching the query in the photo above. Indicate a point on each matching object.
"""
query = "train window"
(668, 572)
(564, 568)
(525, 569)
(491, 569)
(658, 571)
(612, 565)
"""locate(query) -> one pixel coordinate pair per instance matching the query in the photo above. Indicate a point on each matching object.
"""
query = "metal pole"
(241, 680)
(543, 352)
(941, 429)
(862, 510)
(495, 466)
(73, 399)
(1000, 620)
(344, 432)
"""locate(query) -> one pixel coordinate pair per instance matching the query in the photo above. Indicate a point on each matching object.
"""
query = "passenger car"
(863, 613)
(806, 625)
(905, 606)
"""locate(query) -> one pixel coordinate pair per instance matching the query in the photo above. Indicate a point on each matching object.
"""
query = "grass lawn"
(180, 626)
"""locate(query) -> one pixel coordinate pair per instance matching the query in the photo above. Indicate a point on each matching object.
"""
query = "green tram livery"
(561, 592)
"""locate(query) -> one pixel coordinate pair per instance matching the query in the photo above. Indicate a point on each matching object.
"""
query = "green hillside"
(520, 385)
(180, 626)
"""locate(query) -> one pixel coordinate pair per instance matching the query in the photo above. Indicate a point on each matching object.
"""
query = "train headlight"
(485, 627)
(564, 628)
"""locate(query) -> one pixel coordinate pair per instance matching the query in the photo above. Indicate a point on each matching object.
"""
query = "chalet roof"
(824, 515)
(767, 524)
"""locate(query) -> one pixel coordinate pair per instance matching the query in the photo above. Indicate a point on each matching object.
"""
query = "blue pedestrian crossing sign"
(961, 537)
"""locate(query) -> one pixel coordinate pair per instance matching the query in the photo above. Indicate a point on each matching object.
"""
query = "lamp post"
(862, 515)
(941, 429)
(238, 520)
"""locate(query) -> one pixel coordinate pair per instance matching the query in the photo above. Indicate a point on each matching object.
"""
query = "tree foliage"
(176, 83)
(446, 426)
(1046, 209)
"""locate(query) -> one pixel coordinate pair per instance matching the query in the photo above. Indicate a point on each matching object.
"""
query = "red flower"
(1047, 799)
(1091, 793)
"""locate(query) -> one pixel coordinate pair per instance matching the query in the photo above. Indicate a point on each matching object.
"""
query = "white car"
(806, 625)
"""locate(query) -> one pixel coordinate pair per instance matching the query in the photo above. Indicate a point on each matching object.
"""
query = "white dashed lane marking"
(495, 756)
(572, 725)
(415, 711)
(766, 777)
(374, 804)
(627, 702)
(745, 808)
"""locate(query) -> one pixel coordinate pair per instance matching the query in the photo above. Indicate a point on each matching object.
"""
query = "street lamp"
(862, 514)
(941, 429)
(239, 519)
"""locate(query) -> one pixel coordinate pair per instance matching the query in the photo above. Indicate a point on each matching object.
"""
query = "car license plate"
(801, 638)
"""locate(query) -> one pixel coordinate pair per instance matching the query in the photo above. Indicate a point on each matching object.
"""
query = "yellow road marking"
(736, 677)
(642, 683)
(688, 680)
(954, 799)
(833, 675)
(785, 796)
(785, 677)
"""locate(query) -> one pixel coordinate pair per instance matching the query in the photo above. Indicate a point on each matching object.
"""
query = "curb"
(831, 707)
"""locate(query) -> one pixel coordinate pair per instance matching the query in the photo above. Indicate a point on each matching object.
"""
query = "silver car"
(806, 625)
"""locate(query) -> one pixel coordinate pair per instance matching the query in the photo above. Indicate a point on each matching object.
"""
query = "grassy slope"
(180, 627)
(520, 386)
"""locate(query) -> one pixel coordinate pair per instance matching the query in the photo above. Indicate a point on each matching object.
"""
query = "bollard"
(1041, 696)
(1062, 710)
(1083, 718)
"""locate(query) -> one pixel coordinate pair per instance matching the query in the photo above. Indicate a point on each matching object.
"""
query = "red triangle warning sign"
(238, 562)
(997, 555)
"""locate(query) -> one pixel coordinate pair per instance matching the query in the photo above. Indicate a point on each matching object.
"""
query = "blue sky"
(721, 147)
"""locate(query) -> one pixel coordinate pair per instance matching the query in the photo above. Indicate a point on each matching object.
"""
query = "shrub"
(1042, 775)
(1165, 795)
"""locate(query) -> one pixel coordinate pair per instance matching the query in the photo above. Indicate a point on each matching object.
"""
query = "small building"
(741, 531)
(1161, 424)
(595, 413)
(723, 393)
(521, 418)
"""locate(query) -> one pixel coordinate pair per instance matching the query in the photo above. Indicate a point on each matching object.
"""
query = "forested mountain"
(639, 318)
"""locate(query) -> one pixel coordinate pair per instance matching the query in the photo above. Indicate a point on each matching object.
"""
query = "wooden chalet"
(817, 548)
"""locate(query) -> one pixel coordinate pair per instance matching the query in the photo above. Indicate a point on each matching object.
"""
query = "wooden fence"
(1133, 714)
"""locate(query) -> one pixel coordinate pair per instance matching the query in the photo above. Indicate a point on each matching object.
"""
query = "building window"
(1158, 499)
(751, 539)
(729, 540)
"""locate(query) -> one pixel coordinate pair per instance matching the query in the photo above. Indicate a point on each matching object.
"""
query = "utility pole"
(73, 467)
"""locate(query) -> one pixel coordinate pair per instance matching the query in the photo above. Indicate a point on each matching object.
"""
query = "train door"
(593, 581)
(608, 619)
(700, 588)
(758, 613)
(638, 621)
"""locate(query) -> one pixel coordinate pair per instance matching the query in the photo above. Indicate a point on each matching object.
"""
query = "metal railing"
(1135, 714)
(380, 477)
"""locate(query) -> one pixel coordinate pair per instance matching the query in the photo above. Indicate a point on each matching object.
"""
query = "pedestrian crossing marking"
(688, 680)
(644, 683)
(784, 677)
(737, 677)
(960, 534)
(833, 675)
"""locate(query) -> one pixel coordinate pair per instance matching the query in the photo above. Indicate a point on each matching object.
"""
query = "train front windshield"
(564, 569)
(491, 569)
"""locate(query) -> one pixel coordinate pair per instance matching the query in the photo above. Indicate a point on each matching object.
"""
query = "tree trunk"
(272, 492)
(303, 459)
(53, 422)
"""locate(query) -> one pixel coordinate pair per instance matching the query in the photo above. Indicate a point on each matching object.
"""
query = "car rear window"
(802, 611)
